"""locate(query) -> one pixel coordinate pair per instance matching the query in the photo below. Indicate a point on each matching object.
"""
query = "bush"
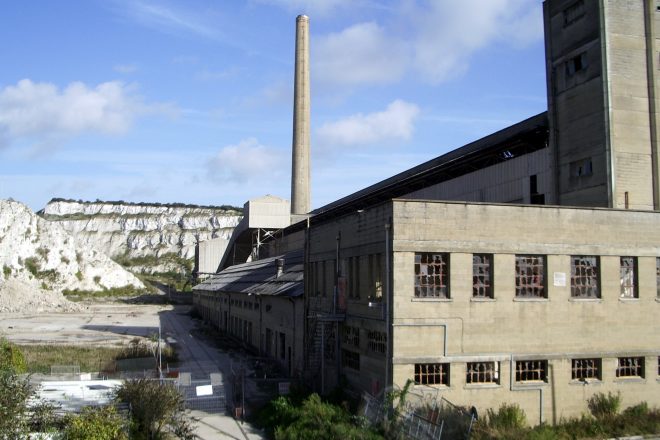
(156, 408)
(604, 406)
(32, 265)
(6, 270)
(11, 358)
(96, 423)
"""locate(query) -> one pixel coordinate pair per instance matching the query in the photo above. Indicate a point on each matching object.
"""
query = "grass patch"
(125, 291)
(39, 358)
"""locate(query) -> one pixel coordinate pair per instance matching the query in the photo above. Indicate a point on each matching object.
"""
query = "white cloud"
(247, 161)
(42, 112)
(449, 33)
(360, 54)
(168, 19)
(395, 122)
(433, 39)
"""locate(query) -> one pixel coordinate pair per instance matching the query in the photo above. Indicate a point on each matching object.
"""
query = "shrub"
(97, 279)
(6, 270)
(43, 253)
(11, 358)
(32, 265)
(96, 423)
(79, 275)
(604, 406)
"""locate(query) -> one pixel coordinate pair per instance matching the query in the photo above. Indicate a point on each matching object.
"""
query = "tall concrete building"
(602, 66)
(454, 274)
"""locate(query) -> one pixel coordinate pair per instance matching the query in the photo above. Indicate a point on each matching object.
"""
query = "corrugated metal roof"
(260, 277)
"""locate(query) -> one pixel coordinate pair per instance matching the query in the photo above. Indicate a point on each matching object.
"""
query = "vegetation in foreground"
(157, 409)
(604, 421)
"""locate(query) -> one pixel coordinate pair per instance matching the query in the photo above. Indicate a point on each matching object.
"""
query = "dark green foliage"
(125, 291)
(6, 270)
(604, 406)
(635, 420)
(96, 423)
(32, 265)
(156, 409)
(14, 395)
(313, 419)
(11, 358)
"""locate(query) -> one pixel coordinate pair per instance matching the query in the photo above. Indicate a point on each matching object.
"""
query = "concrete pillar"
(300, 166)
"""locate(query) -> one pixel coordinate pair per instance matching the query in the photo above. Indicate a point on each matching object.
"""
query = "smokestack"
(300, 181)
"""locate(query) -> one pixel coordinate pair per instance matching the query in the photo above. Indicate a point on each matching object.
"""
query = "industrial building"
(523, 267)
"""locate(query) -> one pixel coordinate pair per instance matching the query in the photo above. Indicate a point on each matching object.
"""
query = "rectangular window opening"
(350, 359)
(431, 275)
(530, 276)
(586, 369)
(574, 12)
(377, 341)
(584, 277)
(532, 371)
(482, 269)
(483, 373)
(432, 374)
(628, 271)
(630, 367)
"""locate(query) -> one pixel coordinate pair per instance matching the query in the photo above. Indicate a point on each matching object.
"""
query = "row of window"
(376, 341)
(432, 276)
(357, 276)
(529, 371)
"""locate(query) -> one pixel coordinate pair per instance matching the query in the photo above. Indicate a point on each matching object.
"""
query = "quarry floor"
(117, 323)
(97, 324)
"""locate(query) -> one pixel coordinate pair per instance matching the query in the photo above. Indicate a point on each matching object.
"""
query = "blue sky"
(173, 101)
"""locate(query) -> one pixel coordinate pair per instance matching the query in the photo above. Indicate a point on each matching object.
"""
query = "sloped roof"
(260, 277)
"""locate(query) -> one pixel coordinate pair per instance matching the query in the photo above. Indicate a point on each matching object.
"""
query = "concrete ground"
(116, 323)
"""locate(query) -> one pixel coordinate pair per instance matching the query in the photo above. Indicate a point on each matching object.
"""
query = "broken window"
(530, 276)
(354, 277)
(576, 64)
(629, 277)
(377, 341)
(482, 267)
(350, 359)
(581, 168)
(375, 277)
(630, 367)
(483, 372)
(532, 371)
(584, 277)
(351, 336)
(432, 374)
(573, 13)
(583, 369)
(431, 275)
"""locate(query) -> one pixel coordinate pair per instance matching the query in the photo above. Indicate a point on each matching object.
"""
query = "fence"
(422, 415)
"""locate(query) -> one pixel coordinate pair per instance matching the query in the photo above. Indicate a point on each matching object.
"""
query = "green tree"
(156, 409)
(14, 414)
(96, 423)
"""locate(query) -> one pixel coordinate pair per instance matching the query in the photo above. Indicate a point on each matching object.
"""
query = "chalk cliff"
(135, 230)
(39, 259)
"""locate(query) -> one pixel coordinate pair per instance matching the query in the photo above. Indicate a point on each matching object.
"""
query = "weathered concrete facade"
(602, 69)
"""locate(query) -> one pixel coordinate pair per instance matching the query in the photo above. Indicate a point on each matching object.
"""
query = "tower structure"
(300, 164)
(603, 85)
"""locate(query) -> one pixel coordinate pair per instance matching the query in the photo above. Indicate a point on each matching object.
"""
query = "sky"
(191, 101)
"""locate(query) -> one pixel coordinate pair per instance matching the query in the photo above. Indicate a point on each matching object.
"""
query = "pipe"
(386, 309)
(526, 388)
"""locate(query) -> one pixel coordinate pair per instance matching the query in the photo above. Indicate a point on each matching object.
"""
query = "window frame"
(519, 276)
(427, 270)
(629, 290)
(441, 374)
(480, 377)
(482, 276)
(538, 367)
(577, 371)
(627, 364)
(595, 277)
(350, 359)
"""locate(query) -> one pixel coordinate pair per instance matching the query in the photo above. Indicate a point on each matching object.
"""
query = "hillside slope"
(39, 260)
(129, 231)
